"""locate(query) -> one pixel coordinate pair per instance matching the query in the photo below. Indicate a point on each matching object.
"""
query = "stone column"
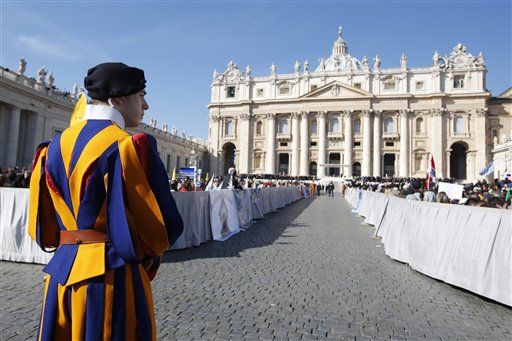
(295, 144)
(377, 143)
(215, 162)
(270, 157)
(347, 155)
(470, 170)
(367, 149)
(13, 139)
(404, 143)
(304, 143)
(437, 138)
(481, 141)
(322, 135)
(448, 163)
(245, 143)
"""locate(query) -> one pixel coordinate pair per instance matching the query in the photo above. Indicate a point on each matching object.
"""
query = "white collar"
(103, 112)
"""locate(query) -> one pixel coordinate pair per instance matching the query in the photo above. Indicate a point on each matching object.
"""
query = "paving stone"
(309, 271)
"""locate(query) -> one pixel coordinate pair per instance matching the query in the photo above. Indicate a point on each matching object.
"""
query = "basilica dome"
(340, 59)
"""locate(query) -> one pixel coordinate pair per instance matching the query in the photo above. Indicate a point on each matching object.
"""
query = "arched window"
(283, 126)
(419, 125)
(356, 169)
(259, 127)
(389, 125)
(313, 127)
(334, 125)
(229, 128)
(458, 125)
(357, 125)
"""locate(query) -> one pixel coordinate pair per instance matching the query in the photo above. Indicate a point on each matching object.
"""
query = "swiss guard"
(100, 200)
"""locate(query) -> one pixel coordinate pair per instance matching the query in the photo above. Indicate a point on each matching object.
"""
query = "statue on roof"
(459, 48)
(22, 67)
(51, 79)
(435, 58)
(322, 64)
(174, 130)
(480, 59)
(365, 62)
(40, 75)
(306, 66)
(403, 61)
(273, 69)
(376, 62)
(248, 71)
(296, 67)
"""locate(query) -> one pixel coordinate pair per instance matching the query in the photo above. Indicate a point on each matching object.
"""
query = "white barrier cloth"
(223, 214)
(469, 247)
(15, 243)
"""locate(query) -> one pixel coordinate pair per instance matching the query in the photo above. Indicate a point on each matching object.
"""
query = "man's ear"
(117, 100)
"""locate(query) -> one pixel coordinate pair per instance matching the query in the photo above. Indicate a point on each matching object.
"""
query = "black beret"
(111, 80)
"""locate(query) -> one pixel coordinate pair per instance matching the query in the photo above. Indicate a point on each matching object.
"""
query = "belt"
(88, 236)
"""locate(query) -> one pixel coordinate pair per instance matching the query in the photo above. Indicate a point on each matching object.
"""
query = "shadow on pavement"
(262, 233)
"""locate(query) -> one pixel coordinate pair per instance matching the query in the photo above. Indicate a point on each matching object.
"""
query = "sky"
(179, 44)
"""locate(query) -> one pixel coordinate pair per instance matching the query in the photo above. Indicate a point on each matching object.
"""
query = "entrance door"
(356, 169)
(334, 158)
(229, 157)
(284, 163)
(389, 164)
(312, 168)
(458, 161)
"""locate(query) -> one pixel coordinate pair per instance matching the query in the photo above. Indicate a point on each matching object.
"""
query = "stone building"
(33, 110)
(347, 118)
(499, 107)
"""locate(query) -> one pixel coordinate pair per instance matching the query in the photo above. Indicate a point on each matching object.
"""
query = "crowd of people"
(15, 177)
(242, 181)
(495, 194)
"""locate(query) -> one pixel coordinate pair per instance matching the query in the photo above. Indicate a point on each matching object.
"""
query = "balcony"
(461, 135)
(283, 136)
(390, 136)
(335, 135)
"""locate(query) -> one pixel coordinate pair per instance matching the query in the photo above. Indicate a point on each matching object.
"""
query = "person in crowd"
(174, 185)
(330, 189)
(100, 199)
(187, 186)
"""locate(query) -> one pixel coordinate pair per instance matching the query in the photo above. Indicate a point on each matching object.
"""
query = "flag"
(174, 173)
(210, 183)
(487, 169)
(431, 173)
(79, 111)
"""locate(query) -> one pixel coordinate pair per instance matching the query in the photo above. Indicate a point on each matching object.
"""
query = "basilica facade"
(349, 118)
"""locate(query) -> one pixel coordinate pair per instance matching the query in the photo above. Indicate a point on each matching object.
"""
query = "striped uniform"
(97, 176)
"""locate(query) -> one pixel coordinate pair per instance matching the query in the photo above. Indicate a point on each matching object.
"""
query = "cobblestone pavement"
(311, 271)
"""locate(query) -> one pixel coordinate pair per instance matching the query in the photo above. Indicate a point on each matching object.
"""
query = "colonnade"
(371, 143)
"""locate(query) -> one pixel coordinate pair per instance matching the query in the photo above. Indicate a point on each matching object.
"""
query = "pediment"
(337, 90)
